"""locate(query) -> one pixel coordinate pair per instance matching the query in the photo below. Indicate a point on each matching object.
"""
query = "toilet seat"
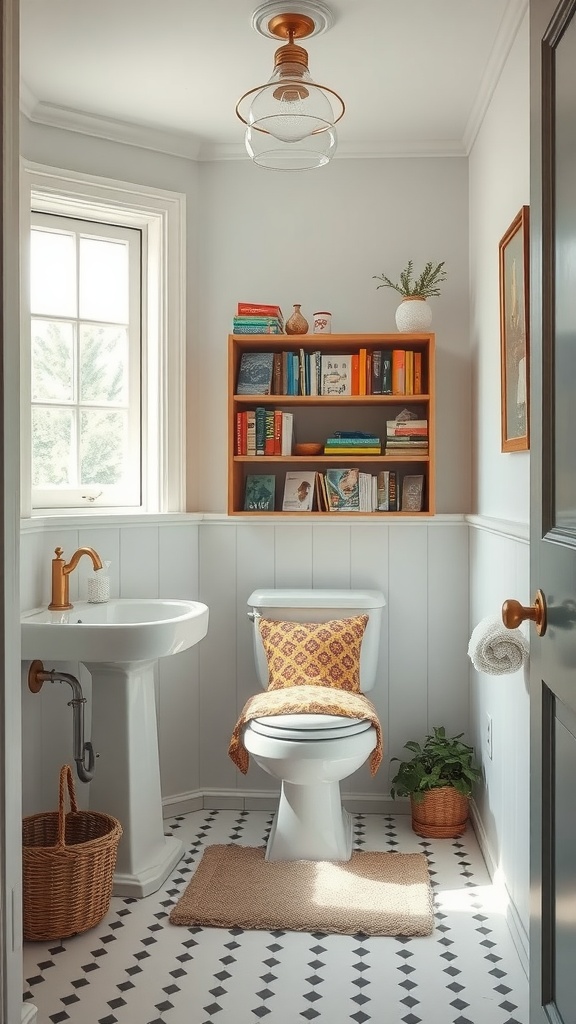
(309, 727)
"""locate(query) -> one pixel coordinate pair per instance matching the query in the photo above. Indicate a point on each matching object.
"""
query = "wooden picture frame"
(515, 334)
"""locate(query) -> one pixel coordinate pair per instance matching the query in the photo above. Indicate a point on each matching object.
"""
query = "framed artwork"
(515, 334)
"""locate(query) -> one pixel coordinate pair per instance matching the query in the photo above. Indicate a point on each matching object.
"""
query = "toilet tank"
(300, 605)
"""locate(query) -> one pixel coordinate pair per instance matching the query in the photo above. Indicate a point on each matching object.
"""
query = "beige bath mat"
(373, 893)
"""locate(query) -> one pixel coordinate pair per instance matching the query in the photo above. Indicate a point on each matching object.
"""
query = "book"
(258, 309)
(287, 433)
(260, 430)
(241, 433)
(353, 441)
(354, 372)
(386, 373)
(336, 375)
(382, 496)
(376, 387)
(277, 432)
(392, 492)
(417, 373)
(342, 487)
(362, 371)
(353, 450)
(412, 493)
(277, 374)
(256, 321)
(250, 432)
(299, 491)
(269, 435)
(259, 495)
(255, 373)
(398, 371)
(256, 329)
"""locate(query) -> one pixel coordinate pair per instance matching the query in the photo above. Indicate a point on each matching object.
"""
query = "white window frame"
(160, 215)
(128, 492)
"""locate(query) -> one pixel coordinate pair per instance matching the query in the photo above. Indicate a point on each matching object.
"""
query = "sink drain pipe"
(82, 751)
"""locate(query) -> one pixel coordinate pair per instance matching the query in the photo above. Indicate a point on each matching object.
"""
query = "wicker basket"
(441, 814)
(68, 862)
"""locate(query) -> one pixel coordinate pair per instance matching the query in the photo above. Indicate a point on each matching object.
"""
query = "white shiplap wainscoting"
(421, 566)
(500, 569)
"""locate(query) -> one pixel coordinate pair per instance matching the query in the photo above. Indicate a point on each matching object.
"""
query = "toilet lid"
(309, 727)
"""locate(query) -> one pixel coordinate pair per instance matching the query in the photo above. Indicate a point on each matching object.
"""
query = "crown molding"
(52, 115)
(352, 150)
(509, 26)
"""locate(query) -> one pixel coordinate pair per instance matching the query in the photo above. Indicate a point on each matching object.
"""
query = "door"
(553, 511)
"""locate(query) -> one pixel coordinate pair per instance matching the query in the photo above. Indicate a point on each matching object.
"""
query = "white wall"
(315, 237)
(499, 567)
(318, 238)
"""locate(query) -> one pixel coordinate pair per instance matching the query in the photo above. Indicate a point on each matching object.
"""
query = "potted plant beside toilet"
(438, 778)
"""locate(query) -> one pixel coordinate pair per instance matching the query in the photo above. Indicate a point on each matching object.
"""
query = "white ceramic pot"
(413, 314)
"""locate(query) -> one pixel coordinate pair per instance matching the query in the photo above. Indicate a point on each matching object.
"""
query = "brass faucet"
(60, 576)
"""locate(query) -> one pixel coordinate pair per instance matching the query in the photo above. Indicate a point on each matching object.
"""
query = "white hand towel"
(496, 650)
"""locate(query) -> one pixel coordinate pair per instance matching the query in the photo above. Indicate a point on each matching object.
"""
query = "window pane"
(52, 361)
(103, 280)
(52, 431)
(103, 365)
(52, 273)
(103, 446)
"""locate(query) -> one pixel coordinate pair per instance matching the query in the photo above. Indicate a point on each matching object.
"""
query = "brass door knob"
(513, 613)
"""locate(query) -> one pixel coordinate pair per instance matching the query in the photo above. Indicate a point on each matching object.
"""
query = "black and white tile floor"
(136, 968)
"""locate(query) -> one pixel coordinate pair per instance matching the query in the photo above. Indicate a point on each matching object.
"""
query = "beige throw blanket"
(310, 700)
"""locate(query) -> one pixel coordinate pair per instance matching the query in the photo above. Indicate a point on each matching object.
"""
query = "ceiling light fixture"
(291, 119)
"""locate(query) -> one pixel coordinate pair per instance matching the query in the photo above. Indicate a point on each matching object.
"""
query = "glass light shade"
(290, 106)
(313, 151)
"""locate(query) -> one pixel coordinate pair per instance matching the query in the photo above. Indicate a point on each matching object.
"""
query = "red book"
(269, 434)
(241, 433)
(256, 309)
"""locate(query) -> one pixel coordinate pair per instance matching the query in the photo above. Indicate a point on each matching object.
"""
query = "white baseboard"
(265, 800)
(513, 919)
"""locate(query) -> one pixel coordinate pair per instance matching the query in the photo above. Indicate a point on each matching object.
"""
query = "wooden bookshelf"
(316, 417)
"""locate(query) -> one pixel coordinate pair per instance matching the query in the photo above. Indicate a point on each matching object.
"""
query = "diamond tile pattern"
(136, 968)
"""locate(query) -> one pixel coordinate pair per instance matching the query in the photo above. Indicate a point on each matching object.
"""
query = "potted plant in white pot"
(414, 312)
(438, 778)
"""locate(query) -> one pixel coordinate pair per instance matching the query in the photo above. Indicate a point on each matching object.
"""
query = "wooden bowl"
(308, 448)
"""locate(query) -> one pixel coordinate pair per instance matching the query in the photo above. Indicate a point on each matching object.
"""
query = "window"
(85, 299)
(103, 370)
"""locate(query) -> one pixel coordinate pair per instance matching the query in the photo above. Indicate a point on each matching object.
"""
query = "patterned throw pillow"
(314, 653)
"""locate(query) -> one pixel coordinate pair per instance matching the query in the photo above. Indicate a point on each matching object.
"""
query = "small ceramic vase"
(413, 314)
(296, 324)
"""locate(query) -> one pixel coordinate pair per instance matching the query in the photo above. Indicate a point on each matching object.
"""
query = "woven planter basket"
(68, 862)
(441, 814)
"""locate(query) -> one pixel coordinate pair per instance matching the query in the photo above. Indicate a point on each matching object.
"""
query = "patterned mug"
(322, 322)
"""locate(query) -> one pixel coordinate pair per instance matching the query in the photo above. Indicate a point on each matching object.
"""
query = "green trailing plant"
(427, 285)
(441, 761)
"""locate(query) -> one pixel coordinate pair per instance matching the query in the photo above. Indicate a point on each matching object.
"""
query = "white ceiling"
(416, 75)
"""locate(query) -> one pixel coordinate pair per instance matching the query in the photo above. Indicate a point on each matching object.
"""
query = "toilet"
(310, 754)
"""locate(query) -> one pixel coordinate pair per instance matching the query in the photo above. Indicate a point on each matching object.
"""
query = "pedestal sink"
(119, 642)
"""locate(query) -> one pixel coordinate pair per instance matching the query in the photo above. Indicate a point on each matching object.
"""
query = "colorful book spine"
(354, 373)
(386, 373)
(256, 329)
(258, 309)
(398, 372)
(250, 432)
(277, 432)
(362, 371)
(260, 430)
(269, 435)
(343, 451)
(353, 442)
(241, 433)
(417, 373)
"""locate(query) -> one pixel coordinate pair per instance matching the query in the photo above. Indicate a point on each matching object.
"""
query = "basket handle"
(66, 779)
